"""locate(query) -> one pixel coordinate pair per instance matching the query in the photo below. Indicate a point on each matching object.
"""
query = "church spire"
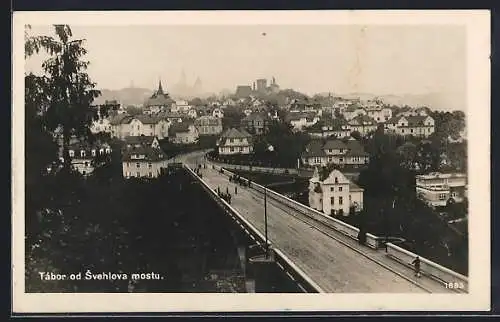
(160, 89)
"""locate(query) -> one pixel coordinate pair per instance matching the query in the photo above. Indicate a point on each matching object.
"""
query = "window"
(128, 164)
(442, 196)
(108, 150)
(86, 164)
(332, 189)
(341, 160)
(340, 189)
(138, 174)
(151, 174)
(84, 173)
(332, 200)
(150, 165)
(71, 153)
(341, 201)
(411, 130)
(138, 165)
(101, 151)
(454, 194)
(82, 153)
(93, 153)
(336, 180)
(402, 130)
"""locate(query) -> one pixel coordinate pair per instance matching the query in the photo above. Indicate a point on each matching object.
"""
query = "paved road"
(329, 262)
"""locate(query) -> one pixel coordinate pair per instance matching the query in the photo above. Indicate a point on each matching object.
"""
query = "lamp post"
(265, 221)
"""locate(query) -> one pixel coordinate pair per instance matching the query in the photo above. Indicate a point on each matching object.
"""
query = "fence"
(435, 271)
(440, 273)
(305, 281)
(254, 168)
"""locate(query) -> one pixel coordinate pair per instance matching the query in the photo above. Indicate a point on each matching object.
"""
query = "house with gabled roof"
(337, 128)
(141, 140)
(143, 162)
(334, 194)
(335, 151)
(83, 155)
(419, 126)
(256, 123)
(363, 124)
(235, 141)
(183, 133)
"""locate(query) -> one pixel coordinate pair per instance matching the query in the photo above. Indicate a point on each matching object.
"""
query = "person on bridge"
(235, 190)
(416, 263)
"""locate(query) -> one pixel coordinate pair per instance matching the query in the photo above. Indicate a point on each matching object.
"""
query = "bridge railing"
(340, 226)
(300, 276)
(402, 256)
(435, 271)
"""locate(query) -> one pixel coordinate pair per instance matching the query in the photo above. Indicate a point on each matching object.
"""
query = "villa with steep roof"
(143, 162)
(363, 124)
(234, 141)
(334, 194)
(256, 123)
(83, 155)
(335, 151)
(183, 133)
(419, 125)
(137, 125)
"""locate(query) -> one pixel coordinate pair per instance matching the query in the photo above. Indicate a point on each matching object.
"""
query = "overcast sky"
(341, 59)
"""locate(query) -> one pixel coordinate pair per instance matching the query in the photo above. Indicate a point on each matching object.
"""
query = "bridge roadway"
(337, 263)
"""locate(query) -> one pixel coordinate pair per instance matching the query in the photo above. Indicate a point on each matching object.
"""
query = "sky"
(341, 59)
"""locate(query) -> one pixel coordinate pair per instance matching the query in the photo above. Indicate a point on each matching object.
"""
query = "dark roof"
(416, 120)
(256, 116)
(119, 119)
(334, 145)
(178, 127)
(147, 119)
(151, 154)
(361, 119)
(314, 149)
(235, 133)
(139, 140)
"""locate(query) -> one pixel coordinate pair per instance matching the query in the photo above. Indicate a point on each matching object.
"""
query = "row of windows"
(83, 153)
(138, 164)
(138, 174)
(332, 189)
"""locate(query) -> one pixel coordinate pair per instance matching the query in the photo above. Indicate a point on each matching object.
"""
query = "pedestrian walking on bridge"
(235, 190)
(416, 263)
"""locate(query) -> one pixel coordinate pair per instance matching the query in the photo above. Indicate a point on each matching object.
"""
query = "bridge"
(319, 252)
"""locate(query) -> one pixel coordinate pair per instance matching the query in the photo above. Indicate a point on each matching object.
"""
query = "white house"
(299, 121)
(143, 162)
(218, 112)
(83, 156)
(335, 194)
(102, 125)
(379, 113)
(235, 141)
(362, 124)
(183, 133)
(335, 151)
(436, 189)
(420, 126)
(353, 111)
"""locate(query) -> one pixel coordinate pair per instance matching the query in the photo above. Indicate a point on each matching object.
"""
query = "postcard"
(237, 161)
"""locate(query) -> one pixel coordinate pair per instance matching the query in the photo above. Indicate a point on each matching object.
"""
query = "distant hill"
(126, 96)
(435, 101)
(131, 95)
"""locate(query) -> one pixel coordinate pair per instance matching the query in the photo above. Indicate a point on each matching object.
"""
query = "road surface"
(334, 261)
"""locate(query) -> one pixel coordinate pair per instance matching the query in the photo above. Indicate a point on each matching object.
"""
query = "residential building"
(180, 106)
(419, 126)
(143, 162)
(353, 111)
(331, 127)
(218, 112)
(83, 156)
(234, 141)
(437, 189)
(334, 151)
(256, 123)
(192, 113)
(379, 113)
(363, 124)
(142, 140)
(124, 125)
(102, 125)
(208, 125)
(299, 121)
(183, 133)
(335, 194)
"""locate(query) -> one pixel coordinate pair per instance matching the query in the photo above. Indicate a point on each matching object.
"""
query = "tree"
(133, 110)
(70, 89)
